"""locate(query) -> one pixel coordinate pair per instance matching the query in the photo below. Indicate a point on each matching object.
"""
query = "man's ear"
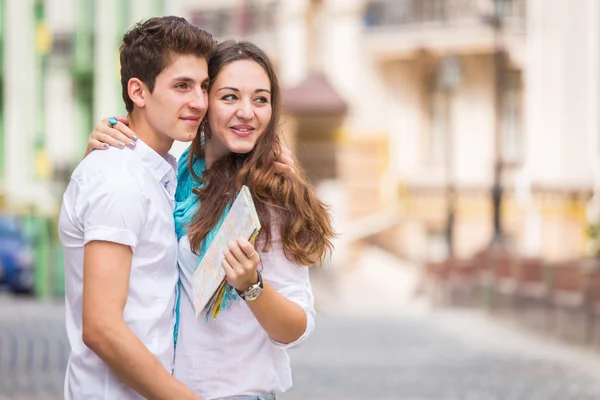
(137, 91)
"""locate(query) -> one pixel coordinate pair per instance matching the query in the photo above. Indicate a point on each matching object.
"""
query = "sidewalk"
(381, 285)
(377, 283)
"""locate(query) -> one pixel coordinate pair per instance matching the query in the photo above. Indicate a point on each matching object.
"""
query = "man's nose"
(199, 100)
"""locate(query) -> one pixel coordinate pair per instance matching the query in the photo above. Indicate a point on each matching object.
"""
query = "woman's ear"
(136, 89)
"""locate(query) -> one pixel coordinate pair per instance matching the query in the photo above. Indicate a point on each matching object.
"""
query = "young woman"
(242, 353)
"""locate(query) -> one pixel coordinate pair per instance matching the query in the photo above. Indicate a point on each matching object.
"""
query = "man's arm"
(107, 267)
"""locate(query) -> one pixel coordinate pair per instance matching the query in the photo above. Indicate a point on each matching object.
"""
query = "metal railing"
(253, 18)
(407, 13)
(34, 349)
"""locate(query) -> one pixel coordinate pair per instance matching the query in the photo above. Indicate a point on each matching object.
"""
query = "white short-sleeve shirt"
(125, 197)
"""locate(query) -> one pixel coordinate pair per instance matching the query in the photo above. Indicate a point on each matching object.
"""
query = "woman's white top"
(232, 355)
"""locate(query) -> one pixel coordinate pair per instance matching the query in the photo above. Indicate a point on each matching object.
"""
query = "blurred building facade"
(443, 99)
(471, 87)
(401, 111)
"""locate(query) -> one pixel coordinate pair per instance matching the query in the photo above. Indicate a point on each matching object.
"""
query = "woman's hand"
(105, 135)
(285, 162)
(240, 263)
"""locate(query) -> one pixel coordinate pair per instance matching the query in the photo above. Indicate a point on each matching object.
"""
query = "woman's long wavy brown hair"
(284, 199)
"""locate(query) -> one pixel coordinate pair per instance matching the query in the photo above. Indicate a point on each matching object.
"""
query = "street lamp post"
(449, 80)
(499, 59)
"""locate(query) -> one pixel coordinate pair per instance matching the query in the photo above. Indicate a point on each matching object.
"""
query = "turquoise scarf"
(186, 205)
(187, 202)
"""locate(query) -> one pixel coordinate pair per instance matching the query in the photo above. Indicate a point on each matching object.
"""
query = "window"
(219, 22)
(244, 20)
(62, 48)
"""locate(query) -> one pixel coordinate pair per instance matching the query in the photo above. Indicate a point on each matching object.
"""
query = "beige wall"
(560, 234)
(557, 86)
(407, 121)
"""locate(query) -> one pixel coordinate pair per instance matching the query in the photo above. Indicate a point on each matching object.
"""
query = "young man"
(116, 224)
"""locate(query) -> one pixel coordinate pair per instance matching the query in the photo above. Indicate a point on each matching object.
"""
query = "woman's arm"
(284, 320)
(285, 308)
(105, 135)
(120, 136)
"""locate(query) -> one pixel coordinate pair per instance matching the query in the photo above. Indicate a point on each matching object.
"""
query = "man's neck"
(156, 141)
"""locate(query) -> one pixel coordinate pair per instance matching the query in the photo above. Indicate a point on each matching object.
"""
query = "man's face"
(178, 103)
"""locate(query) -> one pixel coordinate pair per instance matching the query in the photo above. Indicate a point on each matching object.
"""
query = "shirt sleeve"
(112, 209)
(292, 281)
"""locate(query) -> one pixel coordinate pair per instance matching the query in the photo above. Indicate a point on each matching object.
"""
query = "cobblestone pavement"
(33, 349)
(444, 356)
(417, 356)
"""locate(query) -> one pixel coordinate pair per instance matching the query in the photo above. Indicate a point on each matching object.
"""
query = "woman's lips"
(242, 131)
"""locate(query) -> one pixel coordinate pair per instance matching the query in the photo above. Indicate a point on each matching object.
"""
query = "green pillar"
(43, 47)
(59, 261)
(43, 273)
(158, 7)
(41, 237)
(124, 22)
(1, 98)
(123, 19)
(83, 71)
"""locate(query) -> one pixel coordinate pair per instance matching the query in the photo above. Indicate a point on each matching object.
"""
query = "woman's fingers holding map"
(240, 263)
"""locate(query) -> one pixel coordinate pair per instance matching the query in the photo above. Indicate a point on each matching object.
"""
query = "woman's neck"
(208, 156)
(212, 152)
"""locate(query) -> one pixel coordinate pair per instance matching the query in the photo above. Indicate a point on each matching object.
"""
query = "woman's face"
(239, 109)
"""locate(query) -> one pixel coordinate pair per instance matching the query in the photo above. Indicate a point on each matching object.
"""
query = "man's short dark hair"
(149, 46)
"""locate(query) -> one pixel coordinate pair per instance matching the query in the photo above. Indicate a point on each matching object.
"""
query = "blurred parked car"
(16, 256)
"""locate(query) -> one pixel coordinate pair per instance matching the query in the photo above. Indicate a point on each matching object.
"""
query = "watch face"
(252, 293)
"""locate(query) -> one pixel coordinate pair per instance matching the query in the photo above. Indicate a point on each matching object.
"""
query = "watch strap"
(259, 284)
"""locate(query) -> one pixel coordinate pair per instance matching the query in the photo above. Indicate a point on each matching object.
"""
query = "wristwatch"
(253, 291)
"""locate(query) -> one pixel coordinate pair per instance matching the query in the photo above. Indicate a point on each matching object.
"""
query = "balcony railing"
(251, 19)
(413, 13)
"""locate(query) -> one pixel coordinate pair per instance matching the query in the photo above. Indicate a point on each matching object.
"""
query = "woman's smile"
(242, 130)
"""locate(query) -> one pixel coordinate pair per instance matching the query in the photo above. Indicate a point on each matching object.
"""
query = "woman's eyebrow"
(228, 88)
(238, 90)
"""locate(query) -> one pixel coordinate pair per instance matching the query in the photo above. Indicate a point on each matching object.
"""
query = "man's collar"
(163, 169)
